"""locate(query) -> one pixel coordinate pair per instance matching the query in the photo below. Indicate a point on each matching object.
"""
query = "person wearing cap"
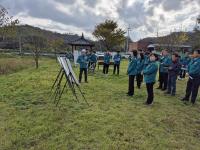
(106, 63)
(150, 72)
(117, 60)
(132, 71)
(83, 61)
(194, 78)
(165, 61)
(173, 72)
(140, 67)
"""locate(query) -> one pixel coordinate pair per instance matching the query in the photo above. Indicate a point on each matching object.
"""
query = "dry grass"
(11, 65)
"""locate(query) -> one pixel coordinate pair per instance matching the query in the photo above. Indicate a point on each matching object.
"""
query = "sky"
(144, 17)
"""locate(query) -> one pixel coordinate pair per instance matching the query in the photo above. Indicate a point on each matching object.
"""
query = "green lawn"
(30, 120)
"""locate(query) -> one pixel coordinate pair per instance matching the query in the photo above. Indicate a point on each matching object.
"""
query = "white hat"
(83, 51)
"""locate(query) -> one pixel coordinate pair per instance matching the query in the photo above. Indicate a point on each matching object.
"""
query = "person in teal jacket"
(165, 61)
(150, 73)
(140, 67)
(106, 64)
(92, 61)
(117, 59)
(194, 78)
(185, 60)
(83, 61)
(132, 72)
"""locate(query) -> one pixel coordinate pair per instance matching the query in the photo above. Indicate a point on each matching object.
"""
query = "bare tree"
(37, 42)
(7, 24)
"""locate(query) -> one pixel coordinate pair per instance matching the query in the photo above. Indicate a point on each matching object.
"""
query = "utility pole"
(198, 22)
(128, 37)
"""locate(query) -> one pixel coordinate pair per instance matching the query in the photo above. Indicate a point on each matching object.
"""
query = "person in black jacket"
(173, 72)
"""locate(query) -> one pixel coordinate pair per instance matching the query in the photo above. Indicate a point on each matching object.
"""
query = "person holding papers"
(132, 72)
(194, 78)
(150, 72)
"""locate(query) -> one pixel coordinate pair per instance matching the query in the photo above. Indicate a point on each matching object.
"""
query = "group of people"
(88, 60)
(147, 65)
(169, 67)
(106, 62)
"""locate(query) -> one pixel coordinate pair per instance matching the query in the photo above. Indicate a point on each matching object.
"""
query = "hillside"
(192, 39)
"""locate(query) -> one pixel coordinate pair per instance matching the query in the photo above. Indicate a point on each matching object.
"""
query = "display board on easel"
(67, 75)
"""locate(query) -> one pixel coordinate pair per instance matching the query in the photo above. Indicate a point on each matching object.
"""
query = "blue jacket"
(140, 65)
(150, 72)
(107, 58)
(93, 58)
(194, 68)
(117, 59)
(174, 68)
(164, 64)
(132, 67)
(83, 61)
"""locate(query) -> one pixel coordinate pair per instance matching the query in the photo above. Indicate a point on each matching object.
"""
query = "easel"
(70, 81)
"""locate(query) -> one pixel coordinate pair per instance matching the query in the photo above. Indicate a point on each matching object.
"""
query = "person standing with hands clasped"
(165, 61)
(150, 72)
(132, 71)
(140, 67)
(173, 72)
(106, 63)
(194, 78)
(117, 60)
(83, 61)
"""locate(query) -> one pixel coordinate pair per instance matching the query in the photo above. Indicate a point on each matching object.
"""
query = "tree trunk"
(36, 58)
(36, 62)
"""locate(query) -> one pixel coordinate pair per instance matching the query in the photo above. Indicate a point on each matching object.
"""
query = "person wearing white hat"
(83, 61)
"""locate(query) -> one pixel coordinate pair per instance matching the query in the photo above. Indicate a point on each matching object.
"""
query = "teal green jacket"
(132, 67)
(140, 65)
(150, 72)
(93, 58)
(185, 61)
(83, 61)
(146, 60)
(194, 68)
(107, 58)
(164, 63)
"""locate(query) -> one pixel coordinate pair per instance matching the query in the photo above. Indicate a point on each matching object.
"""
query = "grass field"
(30, 120)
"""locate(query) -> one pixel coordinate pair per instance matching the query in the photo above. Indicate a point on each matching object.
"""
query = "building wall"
(138, 45)
(133, 46)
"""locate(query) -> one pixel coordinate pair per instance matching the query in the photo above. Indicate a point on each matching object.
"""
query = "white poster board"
(66, 65)
(76, 54)
(72, 71)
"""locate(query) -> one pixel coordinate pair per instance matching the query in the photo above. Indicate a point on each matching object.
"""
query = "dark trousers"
(81, 73)
(131, 85)
(105, 68)
(171, 85)
(192, 89)
(116, 66)
(182, 73)
(163, 79)
(150, 93)
(139, 79)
